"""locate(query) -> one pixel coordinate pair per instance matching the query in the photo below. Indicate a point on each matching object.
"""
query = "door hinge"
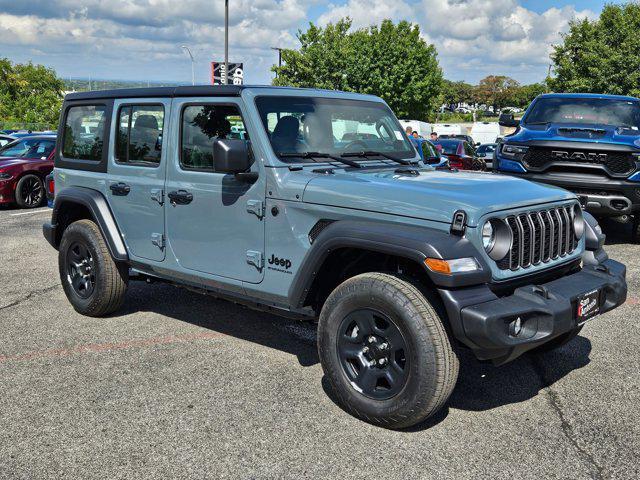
(158, 240)
(256, 207)
(157, 194)
(255, 258)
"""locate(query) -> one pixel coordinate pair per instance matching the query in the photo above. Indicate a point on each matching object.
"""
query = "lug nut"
(365, 349)
(384, 346)
(372, 363)
(372, 339)
(382, 361)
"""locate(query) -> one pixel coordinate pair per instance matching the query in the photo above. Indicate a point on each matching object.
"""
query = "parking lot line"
(31, 212)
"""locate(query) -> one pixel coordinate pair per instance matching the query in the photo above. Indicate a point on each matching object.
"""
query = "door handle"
(181, 197)
(120, 189)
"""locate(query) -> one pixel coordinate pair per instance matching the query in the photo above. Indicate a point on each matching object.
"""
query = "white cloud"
(142, 38)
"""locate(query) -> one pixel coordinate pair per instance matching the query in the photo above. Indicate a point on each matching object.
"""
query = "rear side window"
(201, 125)
(139, 138)
(84, 132)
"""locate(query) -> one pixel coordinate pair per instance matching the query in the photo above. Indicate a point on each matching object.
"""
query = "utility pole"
(226, 42)
(279, 50)
(193, 73)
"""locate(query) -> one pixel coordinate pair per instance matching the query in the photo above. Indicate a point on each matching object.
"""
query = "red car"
(461, 154)
(24, 164)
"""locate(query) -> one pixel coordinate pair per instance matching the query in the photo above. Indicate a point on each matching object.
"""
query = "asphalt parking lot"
(180, 385)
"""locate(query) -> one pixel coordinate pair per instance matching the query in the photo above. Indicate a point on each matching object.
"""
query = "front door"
(137, 162)
(215, 225)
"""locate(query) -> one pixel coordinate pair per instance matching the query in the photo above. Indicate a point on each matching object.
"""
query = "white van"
(448, 129)
(485, 132)
(423, 128)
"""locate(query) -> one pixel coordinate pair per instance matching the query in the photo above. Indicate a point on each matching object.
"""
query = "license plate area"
(588, 306)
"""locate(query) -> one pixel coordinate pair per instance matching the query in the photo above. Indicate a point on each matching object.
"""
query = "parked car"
(24, 164)
(429, 154)
(399, 264)
(5, 139)
(586, 143)
(485, 152)
(461, 154)
(466, 138)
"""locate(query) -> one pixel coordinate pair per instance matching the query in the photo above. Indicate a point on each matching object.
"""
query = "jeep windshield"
(591, 111)
(331, 127)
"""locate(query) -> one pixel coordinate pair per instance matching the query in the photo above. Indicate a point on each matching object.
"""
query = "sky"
(142, 39)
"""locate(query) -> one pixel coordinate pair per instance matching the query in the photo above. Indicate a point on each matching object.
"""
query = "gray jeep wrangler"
(314, 204)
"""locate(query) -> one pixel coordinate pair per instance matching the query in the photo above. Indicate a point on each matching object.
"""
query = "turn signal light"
(448, 267)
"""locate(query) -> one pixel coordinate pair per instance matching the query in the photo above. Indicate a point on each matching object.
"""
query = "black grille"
(616, 163)
(539, 237)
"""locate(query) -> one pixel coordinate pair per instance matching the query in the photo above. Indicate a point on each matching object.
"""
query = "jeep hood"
(432, 195)
(577, 132)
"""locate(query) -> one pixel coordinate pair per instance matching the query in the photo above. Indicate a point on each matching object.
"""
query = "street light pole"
(279, 50)
(193, 72)
(226, 42)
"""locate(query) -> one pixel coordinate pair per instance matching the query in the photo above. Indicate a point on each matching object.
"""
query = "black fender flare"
(100, 211)
(408, 241)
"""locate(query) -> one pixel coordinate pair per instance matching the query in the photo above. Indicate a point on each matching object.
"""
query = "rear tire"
(30, 192)
(377, 317)
(93, 282)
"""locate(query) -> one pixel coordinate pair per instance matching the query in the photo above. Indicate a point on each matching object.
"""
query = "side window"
(139, 137)
(84, 132)
(468, 150)
(201, 125)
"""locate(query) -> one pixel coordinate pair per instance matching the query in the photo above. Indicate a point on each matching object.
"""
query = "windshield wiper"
(314, 155)
(368, 154)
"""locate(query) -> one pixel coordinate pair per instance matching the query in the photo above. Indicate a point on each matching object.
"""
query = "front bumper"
(481, 320)
(7, 194)
(599, 195)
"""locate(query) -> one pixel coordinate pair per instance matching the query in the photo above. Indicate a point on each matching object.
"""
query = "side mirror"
(231, 156)
(507, 120)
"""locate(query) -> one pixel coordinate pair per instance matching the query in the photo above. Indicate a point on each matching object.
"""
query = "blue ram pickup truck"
(586, 143)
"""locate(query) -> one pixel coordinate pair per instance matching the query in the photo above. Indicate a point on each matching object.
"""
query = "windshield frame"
(530, 111)
(411, 154)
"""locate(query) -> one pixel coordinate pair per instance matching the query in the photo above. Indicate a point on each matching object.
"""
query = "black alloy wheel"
(30, 191)
(373, 354)
(81, 270)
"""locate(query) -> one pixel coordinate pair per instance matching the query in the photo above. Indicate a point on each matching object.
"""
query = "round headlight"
(496, 238)
(488, 236)
(578, 222)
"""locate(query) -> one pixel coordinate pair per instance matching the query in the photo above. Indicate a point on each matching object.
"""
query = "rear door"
(137, 160)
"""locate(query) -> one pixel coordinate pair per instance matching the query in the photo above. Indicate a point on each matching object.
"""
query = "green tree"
(390, 60)
(600, 56)
(454, 93)
(496, 90)
(29, 93)
(524, 95)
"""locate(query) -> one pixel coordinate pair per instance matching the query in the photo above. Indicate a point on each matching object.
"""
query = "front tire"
(30, 192)
(93, 282)
(385, 351)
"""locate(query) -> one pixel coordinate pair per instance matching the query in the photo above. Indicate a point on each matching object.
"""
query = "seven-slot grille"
(539, 236)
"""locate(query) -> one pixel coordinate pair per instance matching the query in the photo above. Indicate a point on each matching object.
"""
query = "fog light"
(515, 327)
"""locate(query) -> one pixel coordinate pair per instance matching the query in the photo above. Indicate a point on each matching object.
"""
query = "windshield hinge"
(158, 240)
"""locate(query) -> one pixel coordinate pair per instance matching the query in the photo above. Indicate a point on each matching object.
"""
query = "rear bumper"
(481, 320)
(600, 195)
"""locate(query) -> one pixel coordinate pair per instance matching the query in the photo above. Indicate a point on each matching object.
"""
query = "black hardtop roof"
(179, 91)
(151, 92)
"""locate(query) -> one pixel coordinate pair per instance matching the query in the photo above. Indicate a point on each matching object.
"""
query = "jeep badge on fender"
(401, 264)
